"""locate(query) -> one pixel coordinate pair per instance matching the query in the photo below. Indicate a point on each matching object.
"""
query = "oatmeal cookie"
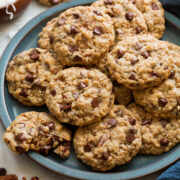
(40, 132)
(79, 96)
(111, 142)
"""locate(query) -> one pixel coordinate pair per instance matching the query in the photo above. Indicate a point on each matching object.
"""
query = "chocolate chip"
(162, 102)
(29, 78)
(77, 58)
(132, 121)
(172, 74)
(20, 137)
(34, 55)
(76, 15)
(51, 125)
(119, 113)
(138, 46)
(134, 61)
(153, 73)
(74, 30)
(178, 101)
(81, 86)
(105, 156)
(51, 39)
(103, 139)
(54, 2)
(130, 137)
(65, 107)
(98, 30)
(95, 102)
(53, 92)
(61, 21)
(23, 93)
(43, 88)
(145, 54)
(133, 131)
(155, 6)
(163, 122)
(133, 77)
(73, 48)
(139, 30)
(35, 178)
(3, 171)
(146, 122)
(108, 2)
(20, 149)
(87, 148)
(111, 122)
(164, 141)
(45, 149)
(120, 53)
(97, 12)
(129, 16)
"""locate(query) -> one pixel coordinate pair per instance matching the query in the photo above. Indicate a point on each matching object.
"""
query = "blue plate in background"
(9, 108)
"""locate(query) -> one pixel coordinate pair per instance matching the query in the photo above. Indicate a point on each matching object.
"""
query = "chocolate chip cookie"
(28, 74)
(164, 100)
(52, 2)
(158, 135)
(111, 142)
(139, 62)
(79, 35)
(127, 19)
(40, 132)
(79, 96)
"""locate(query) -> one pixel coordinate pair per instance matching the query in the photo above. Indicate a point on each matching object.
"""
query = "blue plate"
(9, 108)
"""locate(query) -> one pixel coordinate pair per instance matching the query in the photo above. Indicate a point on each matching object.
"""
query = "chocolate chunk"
(130, 137)
(77, 58)
(163, 122)
(54, 2)
(53, 92)
(20, 149)
(154, 74)
(97, 12)
(129, 16)
(65, 107)
(108, 2)
(105, 156)
(98, 30)
(20, 137)
(164, 141)
(51, 125)
(74, 30)
(146, 122)
(134, 61)
(119, 113)
(133, 131)
(138, 46)
(34, 55)
(51, 39)
(23, 93)
(87, 148)
(178, 101)
(145, 54)
(172, 74)
(155, 6)
(61, 21)
(3, 171)
(73, 48)
(35, 178)
(43, 88)
(139, 30)
(45, 149)
(133, 77)
(76, 15)
(162, 102)
(111, 122)
(132, 121)
(120, 53)
(95, 102)
(103, 139)
(29, 78)
(81, 86)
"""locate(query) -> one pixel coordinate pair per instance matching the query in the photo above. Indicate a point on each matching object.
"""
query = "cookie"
(79, 96)
(40, 132)
(45, 37)
(28, 74)
(153, 13)
(127, 19)
(140, 62)
(164, 100)
(111, 142)
(158, 135)
(52, 2)
(123, 95)
(79, 35)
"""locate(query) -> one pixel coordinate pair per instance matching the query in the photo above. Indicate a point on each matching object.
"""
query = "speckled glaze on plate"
(9, 108)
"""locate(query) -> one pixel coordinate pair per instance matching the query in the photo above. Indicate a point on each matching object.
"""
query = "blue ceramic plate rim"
(58, 168)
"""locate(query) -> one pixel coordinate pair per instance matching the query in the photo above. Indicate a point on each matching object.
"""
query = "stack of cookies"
(102, 68)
